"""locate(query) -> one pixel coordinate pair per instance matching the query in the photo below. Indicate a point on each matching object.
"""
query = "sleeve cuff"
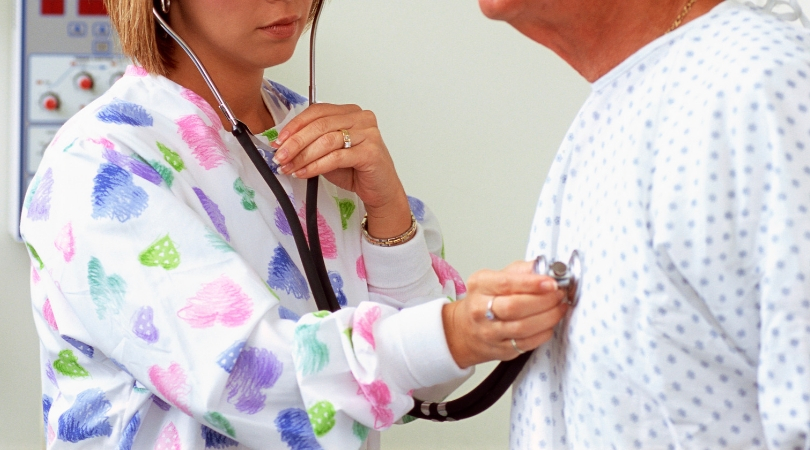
(413, 345)
(399, 266)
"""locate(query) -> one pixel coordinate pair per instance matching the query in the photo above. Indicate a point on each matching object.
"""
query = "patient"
(684, 183)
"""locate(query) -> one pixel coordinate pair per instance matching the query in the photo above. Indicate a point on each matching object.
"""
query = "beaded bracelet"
(389, 242)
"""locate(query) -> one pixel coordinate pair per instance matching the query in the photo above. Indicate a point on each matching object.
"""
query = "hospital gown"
(170, 302)
(684, 182)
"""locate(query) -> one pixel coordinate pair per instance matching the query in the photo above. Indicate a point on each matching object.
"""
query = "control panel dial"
(49, 101)
(84, 81)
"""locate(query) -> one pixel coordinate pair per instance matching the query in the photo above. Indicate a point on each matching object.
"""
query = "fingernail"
(280, 156)
(282, 137)
(549, 285)
(300, 174)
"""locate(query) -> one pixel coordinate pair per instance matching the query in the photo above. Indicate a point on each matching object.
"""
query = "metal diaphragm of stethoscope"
(566, 275)
(496, 384)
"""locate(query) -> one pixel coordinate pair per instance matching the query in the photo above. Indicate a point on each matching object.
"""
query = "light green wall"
(20, 398)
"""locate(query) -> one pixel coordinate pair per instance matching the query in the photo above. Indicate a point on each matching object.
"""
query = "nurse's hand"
(526, 308)
(313, 144)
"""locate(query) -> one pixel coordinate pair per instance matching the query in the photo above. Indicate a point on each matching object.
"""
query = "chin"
(277, 56)
(501, 9)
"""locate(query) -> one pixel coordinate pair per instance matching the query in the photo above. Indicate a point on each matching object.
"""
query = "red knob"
(84, 81)
(50, 102)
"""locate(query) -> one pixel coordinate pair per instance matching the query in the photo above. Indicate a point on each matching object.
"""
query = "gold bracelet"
(389, 242)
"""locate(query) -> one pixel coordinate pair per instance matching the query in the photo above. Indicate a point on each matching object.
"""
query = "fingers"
(473, 339)
(524, 324)
(528, 334)
(473, 342)
(490, 282)
(325, 154)
(526, 344)
(322, 130)
(531, 325)
(518, 307)
(312, 114)
(525, 307)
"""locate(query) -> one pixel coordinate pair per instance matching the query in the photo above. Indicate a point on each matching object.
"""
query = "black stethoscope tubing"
(471, 404)
(311, 254)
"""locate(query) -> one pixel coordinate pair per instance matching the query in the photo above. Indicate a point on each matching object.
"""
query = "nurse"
(166, 287)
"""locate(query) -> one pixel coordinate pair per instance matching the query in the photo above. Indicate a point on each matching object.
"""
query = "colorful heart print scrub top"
(170, 302)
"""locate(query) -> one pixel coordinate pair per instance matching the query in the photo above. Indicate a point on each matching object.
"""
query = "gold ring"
(514, 346)
(347, 140)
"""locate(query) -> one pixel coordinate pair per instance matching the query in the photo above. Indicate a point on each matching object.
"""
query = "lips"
(282, 28)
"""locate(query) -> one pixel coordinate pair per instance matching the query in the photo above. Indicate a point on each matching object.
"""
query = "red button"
(52, 7)
(84, 81)
(50, 102)
(92, 8)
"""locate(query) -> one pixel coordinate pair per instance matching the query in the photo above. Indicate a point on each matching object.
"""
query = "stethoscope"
(310, 252)
(498, 382)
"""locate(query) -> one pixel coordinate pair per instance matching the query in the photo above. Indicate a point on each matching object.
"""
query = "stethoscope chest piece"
(568, 276)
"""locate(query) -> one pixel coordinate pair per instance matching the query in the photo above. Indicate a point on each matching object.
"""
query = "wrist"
(392, 219)
(393, 241)
(455, 343)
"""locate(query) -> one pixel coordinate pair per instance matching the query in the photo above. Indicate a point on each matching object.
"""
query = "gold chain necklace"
(683, 14)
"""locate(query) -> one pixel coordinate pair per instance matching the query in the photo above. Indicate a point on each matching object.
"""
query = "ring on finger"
(347, 140)
(489, 314)
(514, 346)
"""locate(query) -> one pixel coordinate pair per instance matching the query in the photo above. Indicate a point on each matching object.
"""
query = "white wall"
(20, 398)
(472, 113)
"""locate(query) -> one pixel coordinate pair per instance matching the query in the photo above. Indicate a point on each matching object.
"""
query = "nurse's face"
(249, 34)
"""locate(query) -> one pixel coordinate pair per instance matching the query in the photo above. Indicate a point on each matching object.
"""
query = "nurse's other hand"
(312, 144)
(526, 306)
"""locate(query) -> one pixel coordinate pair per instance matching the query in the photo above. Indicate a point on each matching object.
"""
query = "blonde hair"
(141, 37)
